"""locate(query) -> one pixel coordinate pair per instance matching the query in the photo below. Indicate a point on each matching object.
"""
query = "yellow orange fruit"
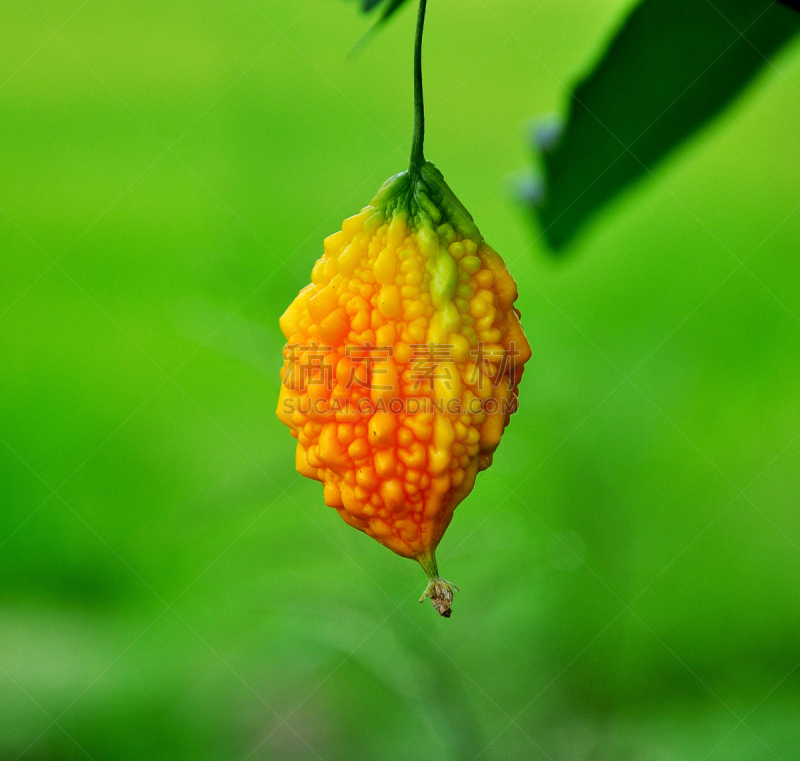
(401, 366)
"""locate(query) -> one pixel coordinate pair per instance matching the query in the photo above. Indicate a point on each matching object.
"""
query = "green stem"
(417, 157)
(429, 565)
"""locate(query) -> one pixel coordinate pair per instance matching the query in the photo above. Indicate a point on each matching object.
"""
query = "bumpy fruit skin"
(409, 271)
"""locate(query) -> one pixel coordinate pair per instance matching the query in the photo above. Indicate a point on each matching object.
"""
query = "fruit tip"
(439, 590)
(441, 594)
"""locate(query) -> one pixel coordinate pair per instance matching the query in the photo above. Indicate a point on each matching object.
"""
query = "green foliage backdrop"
(171, 589)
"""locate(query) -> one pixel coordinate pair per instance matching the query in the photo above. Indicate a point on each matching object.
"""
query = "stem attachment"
(417, 157)
(439, 590)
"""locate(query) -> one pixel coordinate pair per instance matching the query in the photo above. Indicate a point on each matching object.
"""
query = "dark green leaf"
(390, 7)
(673, 66)
(388, 11)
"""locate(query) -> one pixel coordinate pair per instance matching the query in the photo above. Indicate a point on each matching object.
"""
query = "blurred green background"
(172, 589)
